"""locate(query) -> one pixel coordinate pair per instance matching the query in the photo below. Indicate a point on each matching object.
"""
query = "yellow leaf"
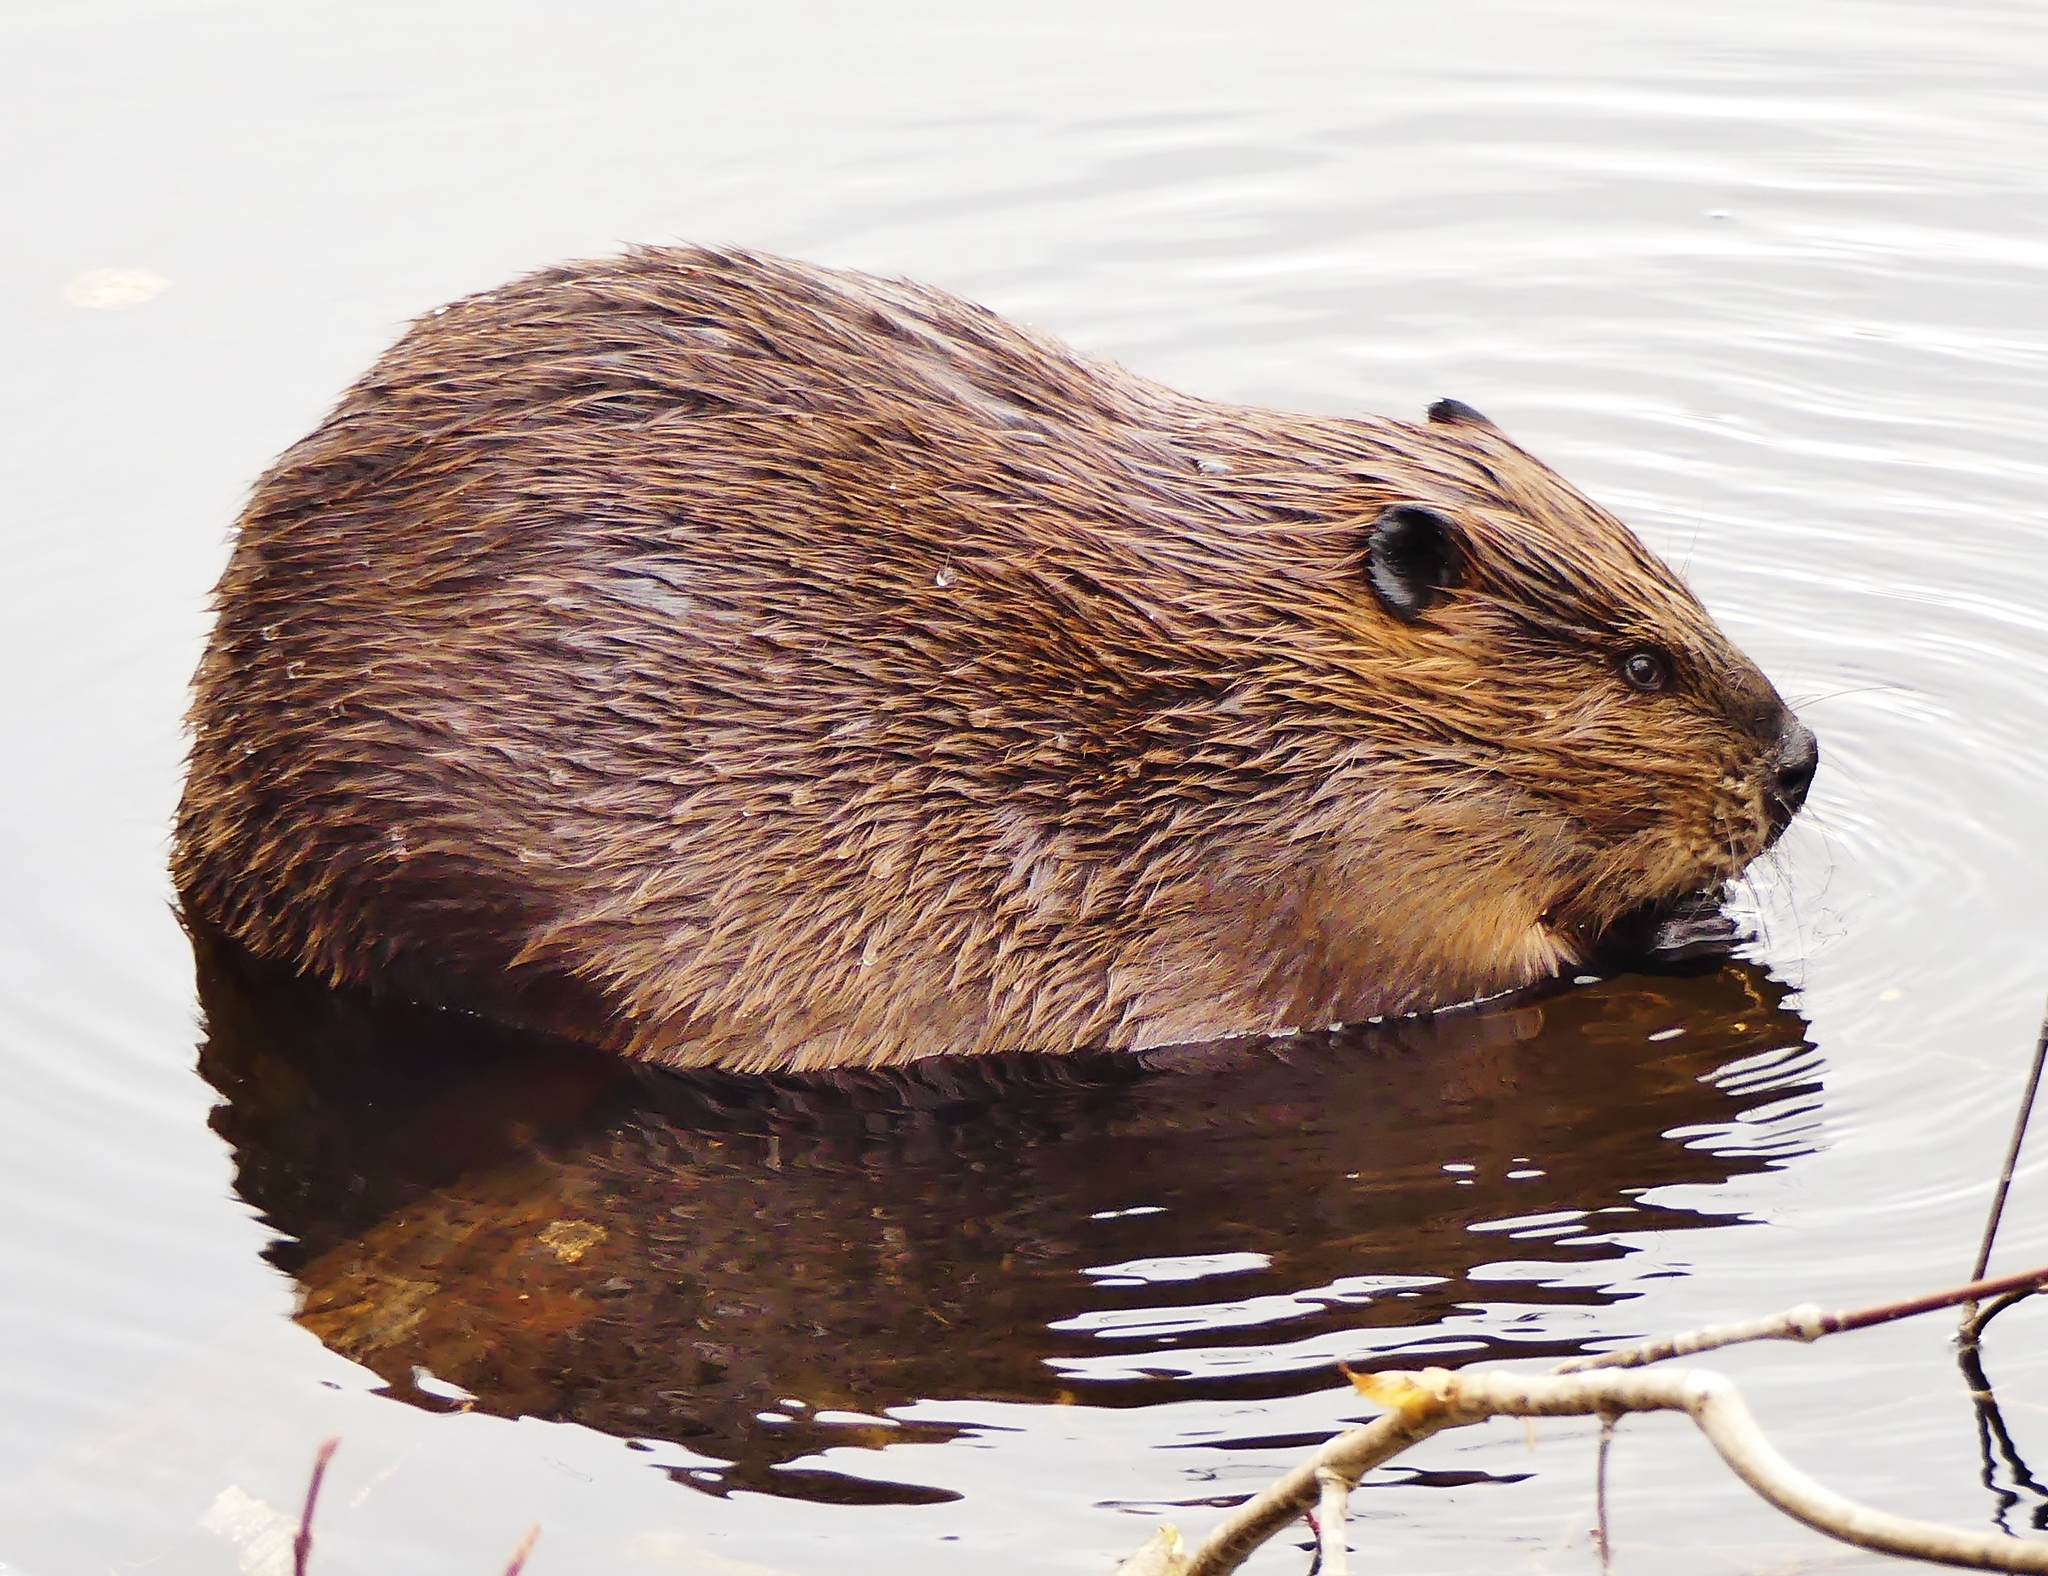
(1413, 1395)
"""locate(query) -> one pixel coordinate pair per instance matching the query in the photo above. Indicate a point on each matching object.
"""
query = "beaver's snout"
(1793, 764)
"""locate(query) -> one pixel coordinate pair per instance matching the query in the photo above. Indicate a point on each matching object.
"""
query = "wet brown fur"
(748, 664)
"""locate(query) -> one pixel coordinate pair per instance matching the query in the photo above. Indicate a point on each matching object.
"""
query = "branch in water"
(1807, 1322)
(1424, 1403)
(525, 1548)
(302, 1543)
(2012, 1153)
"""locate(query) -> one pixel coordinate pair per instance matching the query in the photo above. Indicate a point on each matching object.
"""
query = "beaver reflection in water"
(746, 664)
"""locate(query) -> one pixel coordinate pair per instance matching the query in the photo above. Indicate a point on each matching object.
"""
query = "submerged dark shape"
(740, 663)
(664, 1256)
(1695, 929)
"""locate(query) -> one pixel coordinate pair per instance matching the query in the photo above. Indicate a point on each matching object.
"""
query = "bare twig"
(525, 1548)
(302, 1543)
(1601, 1537)
(1807, 1322)
(2012, 1154)
(1434, 1399)
(1990, 1423)
(1973, 1326)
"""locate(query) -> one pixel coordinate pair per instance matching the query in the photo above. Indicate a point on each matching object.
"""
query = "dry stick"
(1807, 1322)
(1973, 1323)
(1601, 1536)
(1353, 1454)
(1435, 1399)
(1973, 1326)
(1990, 1423)
(302, 1543)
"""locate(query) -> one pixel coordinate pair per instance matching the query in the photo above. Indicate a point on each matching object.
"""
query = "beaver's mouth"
(1669, 931)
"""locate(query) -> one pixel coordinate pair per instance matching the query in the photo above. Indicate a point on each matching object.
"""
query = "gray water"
(1766, 279)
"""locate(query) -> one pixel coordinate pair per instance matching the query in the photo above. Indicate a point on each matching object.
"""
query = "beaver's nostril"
(1795, 761)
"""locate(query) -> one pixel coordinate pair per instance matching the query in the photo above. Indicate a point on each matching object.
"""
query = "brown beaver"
(748, 664)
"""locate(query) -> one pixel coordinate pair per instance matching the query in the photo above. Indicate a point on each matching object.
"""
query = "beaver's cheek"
(1626, 883)
(1737, 828)
(1696, 854)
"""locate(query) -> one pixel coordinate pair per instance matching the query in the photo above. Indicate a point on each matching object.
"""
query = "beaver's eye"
(1646, 670)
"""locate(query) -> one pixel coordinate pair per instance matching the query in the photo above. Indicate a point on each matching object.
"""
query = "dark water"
(1769, 280)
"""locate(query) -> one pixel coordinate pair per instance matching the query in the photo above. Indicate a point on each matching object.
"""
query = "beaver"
(745, 664)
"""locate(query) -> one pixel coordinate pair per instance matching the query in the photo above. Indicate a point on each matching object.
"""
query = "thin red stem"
(525, 1548)
(302, 1544)
(2012, 1154)
(1976, 1291)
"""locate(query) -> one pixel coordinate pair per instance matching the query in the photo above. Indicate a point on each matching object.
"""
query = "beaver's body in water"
(747, 664)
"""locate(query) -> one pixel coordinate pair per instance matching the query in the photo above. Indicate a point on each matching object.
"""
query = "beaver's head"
(1558, 753)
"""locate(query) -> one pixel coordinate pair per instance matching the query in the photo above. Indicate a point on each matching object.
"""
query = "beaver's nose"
(1793, 764)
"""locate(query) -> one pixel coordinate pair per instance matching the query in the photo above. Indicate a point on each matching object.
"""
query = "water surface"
(1768, 280)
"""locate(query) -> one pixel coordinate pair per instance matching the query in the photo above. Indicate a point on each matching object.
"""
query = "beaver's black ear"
(1412, 558)
(1456, 413)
